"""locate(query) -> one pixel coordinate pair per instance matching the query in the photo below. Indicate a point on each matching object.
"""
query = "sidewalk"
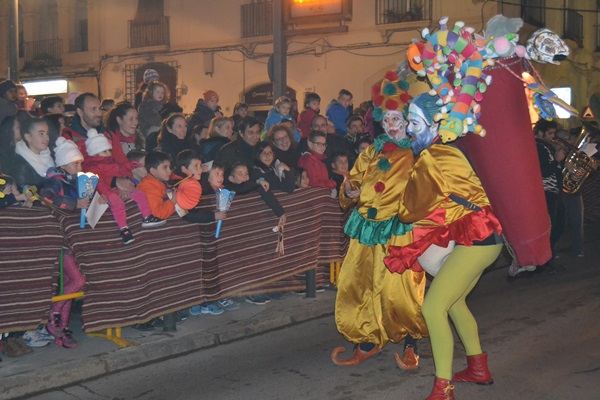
(51, 367)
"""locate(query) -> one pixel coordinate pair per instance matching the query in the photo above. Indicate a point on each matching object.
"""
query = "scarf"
(40, 162)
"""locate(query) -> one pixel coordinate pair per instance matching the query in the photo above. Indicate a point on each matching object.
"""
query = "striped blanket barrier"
(180, 264)
(30, 243)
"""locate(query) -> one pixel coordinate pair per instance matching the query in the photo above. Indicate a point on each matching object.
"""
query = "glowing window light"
(38, 88)
(563, 93)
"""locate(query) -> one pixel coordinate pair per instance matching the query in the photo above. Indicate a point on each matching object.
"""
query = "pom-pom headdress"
(392, 94)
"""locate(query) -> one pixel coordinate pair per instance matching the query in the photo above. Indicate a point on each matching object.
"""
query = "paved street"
(541, 332)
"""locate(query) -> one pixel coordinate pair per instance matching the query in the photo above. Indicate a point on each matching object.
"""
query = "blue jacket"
(337, 114)
(274, 117)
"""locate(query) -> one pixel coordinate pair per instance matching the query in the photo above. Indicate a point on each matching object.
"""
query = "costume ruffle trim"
(370, 232)
(473, 227)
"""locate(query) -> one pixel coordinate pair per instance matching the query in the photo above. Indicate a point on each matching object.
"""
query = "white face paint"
(422, 134)
(394, 125)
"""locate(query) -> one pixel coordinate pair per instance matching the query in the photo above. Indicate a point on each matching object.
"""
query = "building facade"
(104, 46)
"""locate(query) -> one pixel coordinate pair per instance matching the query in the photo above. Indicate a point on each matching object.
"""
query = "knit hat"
(96, 143)
(5, 86)
(208, 95)
(428, 105)
(392, 94)
(66, 151)
(150, 75)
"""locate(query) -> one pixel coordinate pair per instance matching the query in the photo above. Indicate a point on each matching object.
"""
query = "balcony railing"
(397, 11)
(574, 26)
(533, 12)
(144, 34)
(257, 19)
(43, 53)
(597, 38)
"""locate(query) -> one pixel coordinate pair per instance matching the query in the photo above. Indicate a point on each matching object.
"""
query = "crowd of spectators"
(142, 150)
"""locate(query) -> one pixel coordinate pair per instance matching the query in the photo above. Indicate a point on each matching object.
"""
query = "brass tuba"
(578, 165)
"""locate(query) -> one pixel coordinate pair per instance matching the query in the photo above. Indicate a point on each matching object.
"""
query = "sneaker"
(12, 348)
(126, 236)
(35, 339)
(54, 326)
(145, 327)
(152, 222)
(228, 304)
(259, 299)
(44, 333)
(580, 254)
(207, 308)
(66, 340)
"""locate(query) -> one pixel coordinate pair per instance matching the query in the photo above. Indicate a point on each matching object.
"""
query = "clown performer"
(444, 198)
(374, 306)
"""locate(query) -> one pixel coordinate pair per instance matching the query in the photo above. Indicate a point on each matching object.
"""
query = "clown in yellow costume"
(446, 202)
(374, 306)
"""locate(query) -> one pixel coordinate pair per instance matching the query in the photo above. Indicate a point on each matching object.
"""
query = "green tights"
(446, 297)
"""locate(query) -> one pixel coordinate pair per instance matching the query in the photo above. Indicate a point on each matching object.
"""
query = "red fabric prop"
(506, 162)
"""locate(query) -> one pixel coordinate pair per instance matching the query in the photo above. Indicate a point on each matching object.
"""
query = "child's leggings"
(446, 296)
(73, 281)
(117, 206)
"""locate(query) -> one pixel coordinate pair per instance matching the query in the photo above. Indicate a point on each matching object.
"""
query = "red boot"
(476, 372)
(443, 389)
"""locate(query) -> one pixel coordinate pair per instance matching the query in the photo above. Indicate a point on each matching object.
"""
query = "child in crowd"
(213, 179)
(155, 185)
(138, 162)
(277, 174)
(60, 190)
(312, 104)
(189, 164)
(339, 168)
(238, 179)
(362, 144)
(302, 181)
(240, 110)
(338, 111)
(313, 161)
(9, 193)
(155, 97)
(101, 162)
(279, 113)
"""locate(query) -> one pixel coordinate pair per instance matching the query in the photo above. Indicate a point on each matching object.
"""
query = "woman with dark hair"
(10, 134)
(266, 166)
(280, 136)
(122, 124)
(172, 136)
(56, 123)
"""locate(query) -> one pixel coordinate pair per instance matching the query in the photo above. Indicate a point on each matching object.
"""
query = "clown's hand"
(350, 192)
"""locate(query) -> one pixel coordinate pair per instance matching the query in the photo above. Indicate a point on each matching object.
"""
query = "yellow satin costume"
(373, 305)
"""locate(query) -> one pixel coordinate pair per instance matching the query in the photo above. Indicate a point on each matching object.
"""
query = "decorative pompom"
(377, 113)
(391, 76)
(389, 147)
(391, 105)
(384, 164)
(379, 187)
(371, 213)
(390, 89)
(403, 85)
(405, 98)
(378, 99)
(375, 90)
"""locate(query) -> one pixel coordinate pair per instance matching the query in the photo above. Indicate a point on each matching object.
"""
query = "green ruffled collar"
(384, 138)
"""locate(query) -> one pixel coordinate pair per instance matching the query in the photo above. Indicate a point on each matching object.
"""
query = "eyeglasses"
(267, 154)
(282, 139)
(319, 144)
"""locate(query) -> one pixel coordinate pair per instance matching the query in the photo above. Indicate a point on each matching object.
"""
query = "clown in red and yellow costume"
(445, 201)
